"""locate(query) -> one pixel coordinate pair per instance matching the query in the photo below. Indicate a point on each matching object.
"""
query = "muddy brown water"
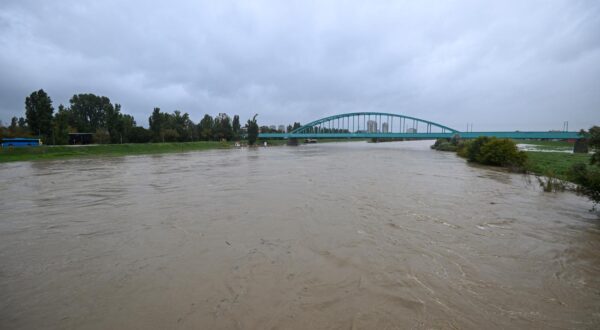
(340, 235)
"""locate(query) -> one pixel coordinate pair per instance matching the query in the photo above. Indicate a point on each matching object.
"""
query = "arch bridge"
(381, 125)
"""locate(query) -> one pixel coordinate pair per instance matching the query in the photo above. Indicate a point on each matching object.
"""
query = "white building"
(385, 128)
(411, 130)
(371, 126)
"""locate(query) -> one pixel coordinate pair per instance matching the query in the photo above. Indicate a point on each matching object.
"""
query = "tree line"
(89, 113)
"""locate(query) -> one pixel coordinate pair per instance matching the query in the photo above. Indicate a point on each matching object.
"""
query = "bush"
(444, 145)
(501, 152)
(588, 180)
(462, 148)
(101, 137)
(473, 149)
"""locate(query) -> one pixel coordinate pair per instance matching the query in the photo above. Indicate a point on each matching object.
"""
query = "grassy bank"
(555, 163)
(116, 150)
(105, 150)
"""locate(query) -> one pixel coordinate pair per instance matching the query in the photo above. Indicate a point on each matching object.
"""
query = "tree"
(125, 126)
(222, 127)
(60, 126)
(139, 134)
(183, 125)
(89, 112)
(158, 122)
(13, 124)
(22, 123)
(38, 110)
(252, 127)
(114, 125)
(205, 128)
(236, 127)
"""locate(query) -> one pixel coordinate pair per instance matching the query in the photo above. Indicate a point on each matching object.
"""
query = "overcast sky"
(502, 65)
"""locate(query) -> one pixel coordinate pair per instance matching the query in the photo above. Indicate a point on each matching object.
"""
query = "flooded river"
(341, 236)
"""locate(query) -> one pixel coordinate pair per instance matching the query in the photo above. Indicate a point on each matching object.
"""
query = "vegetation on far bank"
(50, 152)
(553, 169)
(104, 120)
(558, 164)
(107, 150)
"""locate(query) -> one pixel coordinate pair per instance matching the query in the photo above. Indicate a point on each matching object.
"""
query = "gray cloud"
(502, 65)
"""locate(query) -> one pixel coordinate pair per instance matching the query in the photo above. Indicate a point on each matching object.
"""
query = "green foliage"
(38, 110)
(172, 127)
(60, 126)
(236, 127)
(474, 148)
(101, 136)
(550, 183)
(463, 147)
(90, 112)
(139, 134)
(588, 180)
(594, 143)
(222, 128)
(559, 163)
(501, 152)
(485, 150)
(252, 127)
(206, 128)
(444, 145)
(17, 128)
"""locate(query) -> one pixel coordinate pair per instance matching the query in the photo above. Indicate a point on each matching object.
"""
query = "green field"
(106, 150)
(555, 163)
(116, 150)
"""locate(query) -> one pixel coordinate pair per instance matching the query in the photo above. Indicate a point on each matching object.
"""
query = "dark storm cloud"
(502, 65)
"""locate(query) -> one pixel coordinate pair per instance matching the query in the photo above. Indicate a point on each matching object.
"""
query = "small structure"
(20, 142)
(80, 138)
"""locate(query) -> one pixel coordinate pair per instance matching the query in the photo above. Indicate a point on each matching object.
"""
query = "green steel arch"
(308, 127)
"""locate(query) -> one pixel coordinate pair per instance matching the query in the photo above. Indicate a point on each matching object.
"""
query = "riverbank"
(119, 150)
(105, 150)
(543, 158)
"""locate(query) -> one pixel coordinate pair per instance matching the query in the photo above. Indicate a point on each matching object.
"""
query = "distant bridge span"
(380, 125)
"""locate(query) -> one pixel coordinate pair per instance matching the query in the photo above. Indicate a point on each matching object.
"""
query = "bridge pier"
(292, 142)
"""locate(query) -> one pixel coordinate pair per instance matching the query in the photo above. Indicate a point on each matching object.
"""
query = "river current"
(338, 235)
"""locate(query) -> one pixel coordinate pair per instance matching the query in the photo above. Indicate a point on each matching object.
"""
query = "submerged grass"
(557, 163)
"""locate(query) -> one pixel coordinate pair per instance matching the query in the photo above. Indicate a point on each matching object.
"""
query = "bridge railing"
(423, 136)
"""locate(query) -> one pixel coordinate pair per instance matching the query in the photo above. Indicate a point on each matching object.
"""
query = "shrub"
(444, 145)
(501, 152)
(462, 148)
(473, 149)
(588, 181)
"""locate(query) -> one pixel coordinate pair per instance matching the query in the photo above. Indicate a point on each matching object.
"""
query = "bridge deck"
(422, 136)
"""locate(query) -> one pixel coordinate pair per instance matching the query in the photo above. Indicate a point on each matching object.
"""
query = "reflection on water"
(345, 235)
